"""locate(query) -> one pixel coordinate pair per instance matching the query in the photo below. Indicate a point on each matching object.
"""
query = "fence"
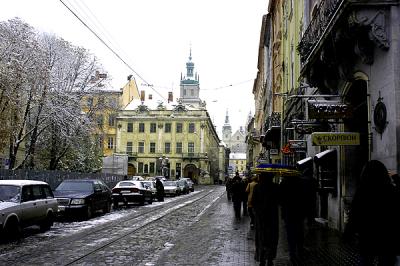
(54, 178)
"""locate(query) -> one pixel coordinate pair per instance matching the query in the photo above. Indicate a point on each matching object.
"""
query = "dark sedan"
(83, 197)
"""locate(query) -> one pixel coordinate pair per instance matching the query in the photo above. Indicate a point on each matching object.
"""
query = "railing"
(132, 154)
(274, 120)
(319, 23)
(193, 155)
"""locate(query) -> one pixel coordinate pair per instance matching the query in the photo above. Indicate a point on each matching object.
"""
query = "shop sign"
(323, 109)
(335, 138)
(273, 151)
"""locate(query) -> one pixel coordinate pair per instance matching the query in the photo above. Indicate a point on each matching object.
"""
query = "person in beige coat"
(249, 191)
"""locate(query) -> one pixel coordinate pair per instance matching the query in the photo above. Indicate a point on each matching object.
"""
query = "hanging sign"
(323, 109)
(335, 138)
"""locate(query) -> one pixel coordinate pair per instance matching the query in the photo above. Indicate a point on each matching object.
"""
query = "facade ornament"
(376, 23)
(380, 115)
(142, 109)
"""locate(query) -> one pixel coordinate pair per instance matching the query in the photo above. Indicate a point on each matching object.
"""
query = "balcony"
(327, 13)
(132, 154)
(193, 156)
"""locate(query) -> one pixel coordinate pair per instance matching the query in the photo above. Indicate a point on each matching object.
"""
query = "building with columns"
(171, 138)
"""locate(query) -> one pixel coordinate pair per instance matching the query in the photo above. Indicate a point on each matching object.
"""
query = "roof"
(22, 182)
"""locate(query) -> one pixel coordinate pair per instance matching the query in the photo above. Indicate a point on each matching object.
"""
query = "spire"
(189, 66)
(227, 117)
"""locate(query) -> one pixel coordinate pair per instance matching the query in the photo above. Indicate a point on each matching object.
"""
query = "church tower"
(226, 131)
(189, 85)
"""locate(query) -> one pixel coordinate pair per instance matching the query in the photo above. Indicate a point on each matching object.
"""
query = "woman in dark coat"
(160, 190)
(265, 203)
(373, 215)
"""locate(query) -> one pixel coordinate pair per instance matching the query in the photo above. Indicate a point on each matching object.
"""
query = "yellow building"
(103, 105)
(237, 163)
(172, 139)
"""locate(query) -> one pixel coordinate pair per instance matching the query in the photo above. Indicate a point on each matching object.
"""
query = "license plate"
(61, 208)
(125, 191)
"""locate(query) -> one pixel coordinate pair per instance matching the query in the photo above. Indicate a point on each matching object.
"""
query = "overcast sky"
(154, 37)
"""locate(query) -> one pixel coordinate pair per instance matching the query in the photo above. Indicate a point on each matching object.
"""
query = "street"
(132, 236)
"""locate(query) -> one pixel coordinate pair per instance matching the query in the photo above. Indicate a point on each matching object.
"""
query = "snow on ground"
(68, 228)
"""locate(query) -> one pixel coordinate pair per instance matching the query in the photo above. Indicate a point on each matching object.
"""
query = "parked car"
(171, 188)
(24, 203)
(190, 183)
(183, 186)
(131, 191)
(83, 197)
(151, 185)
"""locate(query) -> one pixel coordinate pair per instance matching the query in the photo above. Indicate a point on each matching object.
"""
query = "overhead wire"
(110, 48)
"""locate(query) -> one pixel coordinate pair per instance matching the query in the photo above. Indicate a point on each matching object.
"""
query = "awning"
(276, 169)
(326, 157)
(305, 163)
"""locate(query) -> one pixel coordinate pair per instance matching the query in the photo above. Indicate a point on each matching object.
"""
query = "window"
(237, 138)
(178, 127)
(152, 147)
(140, 167)
(191, 128)
(167, 147)
(179, 147)
(191, 147)
(152, 168)
(167, 128)
(141, 147)
(237, 162)
(111, 120)
(110, 143)
(141, 127)
(129, 147)
(146, 168)
(129, 127)
(99, 120)
(153, 127)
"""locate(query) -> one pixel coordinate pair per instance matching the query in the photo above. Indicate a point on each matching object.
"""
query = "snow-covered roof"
(237, 156)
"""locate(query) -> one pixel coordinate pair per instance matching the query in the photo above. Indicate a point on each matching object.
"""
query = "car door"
(97, 200)
(40, 200)
(28, 206)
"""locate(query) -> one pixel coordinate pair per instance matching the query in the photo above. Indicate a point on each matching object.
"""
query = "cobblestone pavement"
(193, 230)
(218, 239)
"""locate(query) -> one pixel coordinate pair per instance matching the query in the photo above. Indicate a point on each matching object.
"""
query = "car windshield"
(10, 193)
(169, 183)
(126, 184)
(75, 186)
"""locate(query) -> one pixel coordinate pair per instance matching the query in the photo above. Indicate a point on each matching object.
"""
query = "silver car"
(24, 203)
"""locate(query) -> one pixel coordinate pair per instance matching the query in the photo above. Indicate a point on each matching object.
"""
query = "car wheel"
(107, 207)
(150, 201)
(141, 202)
(89, 212)
(12, 230)
(47, 223)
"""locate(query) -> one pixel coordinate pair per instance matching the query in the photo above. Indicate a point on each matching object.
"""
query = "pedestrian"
(373, 215)
(245, 182)
(265, 203)
(297, 198)
(160, 190)
(228, 186)
(249, 190)
(237, 195)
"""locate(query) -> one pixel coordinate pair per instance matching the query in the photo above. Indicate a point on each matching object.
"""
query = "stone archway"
(191, 171)
(131, 169)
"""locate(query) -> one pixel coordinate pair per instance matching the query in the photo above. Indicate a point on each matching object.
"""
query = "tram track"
(64, 251)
